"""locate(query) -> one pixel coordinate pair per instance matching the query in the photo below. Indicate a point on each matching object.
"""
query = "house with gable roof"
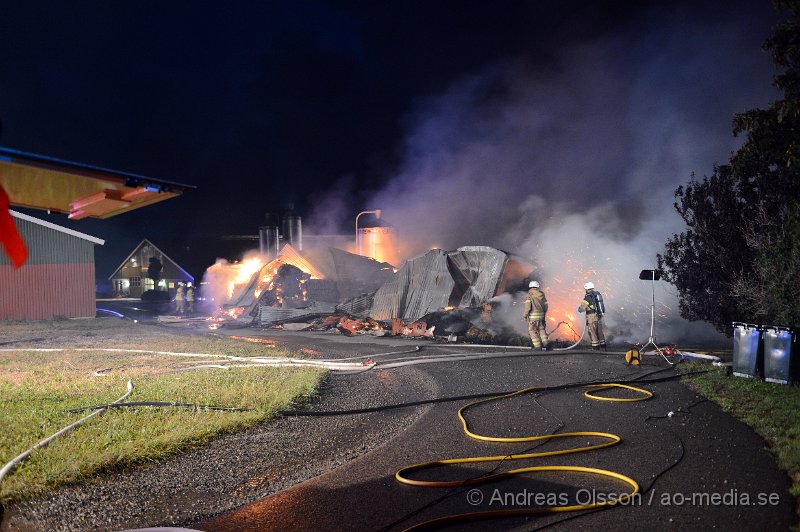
(131, 279)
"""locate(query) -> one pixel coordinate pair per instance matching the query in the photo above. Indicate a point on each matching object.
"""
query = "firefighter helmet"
(588, 286)
(533, 284)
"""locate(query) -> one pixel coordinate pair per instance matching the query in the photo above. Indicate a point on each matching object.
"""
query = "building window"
(136, 281)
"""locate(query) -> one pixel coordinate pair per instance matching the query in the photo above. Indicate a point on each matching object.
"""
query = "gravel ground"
(234, 469)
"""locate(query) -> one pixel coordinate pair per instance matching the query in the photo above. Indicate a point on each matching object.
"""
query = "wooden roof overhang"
(78, 190)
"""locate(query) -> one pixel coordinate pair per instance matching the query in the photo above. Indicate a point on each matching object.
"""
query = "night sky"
(468, 122)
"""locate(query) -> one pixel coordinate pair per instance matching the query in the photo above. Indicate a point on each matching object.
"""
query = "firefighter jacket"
(535, 304)
(588, 305)
(190, 294)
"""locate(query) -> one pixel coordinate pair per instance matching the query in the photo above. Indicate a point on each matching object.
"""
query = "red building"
(57, 280)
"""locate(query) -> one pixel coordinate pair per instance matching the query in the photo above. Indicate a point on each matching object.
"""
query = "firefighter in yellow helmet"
(594, 308)
(535, 311)
(180, 301)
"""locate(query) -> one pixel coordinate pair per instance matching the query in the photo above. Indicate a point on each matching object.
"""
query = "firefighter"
(594, 308)
(180, 302)
(535, 310)
(190, 297)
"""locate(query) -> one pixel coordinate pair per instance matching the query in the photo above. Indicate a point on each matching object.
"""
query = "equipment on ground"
(633, 356)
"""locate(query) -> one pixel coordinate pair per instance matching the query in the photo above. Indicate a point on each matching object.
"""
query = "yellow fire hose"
(612, 439)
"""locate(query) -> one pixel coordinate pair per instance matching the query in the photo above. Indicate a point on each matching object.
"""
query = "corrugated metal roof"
(275, 315)
(358, 306)
(430, 285)
(50, 225)
(322, 290)
(467, 277)
(48, 245)
(289, 255)
(390, 299)
(483, 268)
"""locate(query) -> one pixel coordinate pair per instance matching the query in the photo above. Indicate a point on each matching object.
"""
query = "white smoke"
(574, 165)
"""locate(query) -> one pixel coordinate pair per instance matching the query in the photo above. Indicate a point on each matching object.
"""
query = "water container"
(780, 355)
(747, 354)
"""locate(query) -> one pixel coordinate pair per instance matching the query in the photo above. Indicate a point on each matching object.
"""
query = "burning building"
(297, 284)
(467, 277)
(324, 281)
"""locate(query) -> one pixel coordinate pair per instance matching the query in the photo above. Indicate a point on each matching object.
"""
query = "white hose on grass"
(19, 459)
(264, 361)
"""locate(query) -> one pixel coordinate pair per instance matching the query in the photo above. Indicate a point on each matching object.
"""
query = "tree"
(739, 258)
(154, 270)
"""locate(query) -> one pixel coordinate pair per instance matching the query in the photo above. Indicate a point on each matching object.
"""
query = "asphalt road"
(698, 469)
(331, 465)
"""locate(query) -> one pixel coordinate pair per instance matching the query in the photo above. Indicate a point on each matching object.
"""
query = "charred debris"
(444, 295)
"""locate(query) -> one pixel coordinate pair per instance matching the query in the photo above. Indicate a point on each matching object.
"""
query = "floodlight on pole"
(377, 213)
(653, 276)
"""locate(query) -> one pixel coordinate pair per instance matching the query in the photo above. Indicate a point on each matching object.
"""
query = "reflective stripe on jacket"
(535, 304)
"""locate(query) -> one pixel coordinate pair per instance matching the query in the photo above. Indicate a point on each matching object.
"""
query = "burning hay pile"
(441, 293)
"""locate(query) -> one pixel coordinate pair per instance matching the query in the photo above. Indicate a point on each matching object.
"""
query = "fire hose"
(583, 333)
(611, 439)
(19, 459)
(99, 409)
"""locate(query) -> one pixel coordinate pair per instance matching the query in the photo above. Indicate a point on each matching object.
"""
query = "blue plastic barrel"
(747, 352)
(780, 355)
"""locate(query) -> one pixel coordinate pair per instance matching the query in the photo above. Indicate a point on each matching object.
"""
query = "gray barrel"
(746, 349)
(293, 231)
(780, 355)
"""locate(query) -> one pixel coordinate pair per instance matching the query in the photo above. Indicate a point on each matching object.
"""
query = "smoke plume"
(573, 163)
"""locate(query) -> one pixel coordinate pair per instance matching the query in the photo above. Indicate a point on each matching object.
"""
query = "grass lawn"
(37, 388)
(772, 410)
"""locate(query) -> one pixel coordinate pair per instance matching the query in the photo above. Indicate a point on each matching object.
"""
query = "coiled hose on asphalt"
(611, 439)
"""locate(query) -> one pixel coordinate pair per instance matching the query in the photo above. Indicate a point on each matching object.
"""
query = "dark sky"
(328, 105)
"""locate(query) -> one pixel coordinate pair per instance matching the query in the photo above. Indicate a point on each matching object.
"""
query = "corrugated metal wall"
(57, 279)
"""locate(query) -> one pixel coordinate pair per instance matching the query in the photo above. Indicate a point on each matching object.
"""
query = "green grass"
(772, 410)
(37, 389)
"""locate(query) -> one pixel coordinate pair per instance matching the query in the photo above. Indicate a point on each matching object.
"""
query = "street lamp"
(377, 213)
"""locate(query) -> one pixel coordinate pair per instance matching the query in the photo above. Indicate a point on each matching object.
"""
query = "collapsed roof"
(328, 275)
(321, 281)
(466, 277)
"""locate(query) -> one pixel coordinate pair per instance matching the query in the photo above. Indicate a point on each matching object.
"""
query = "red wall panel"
(45, 291)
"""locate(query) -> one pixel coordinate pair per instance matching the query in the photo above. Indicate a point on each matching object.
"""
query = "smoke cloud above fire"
(572, 160)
